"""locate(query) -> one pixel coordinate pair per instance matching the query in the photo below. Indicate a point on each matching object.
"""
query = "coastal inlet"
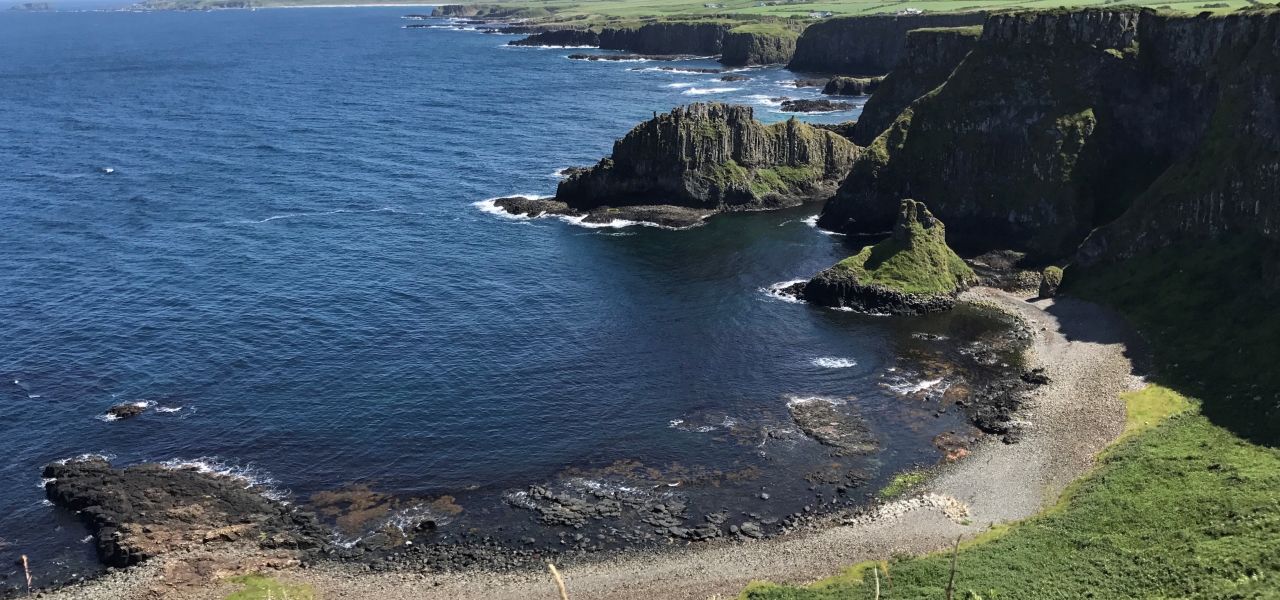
(287, 280)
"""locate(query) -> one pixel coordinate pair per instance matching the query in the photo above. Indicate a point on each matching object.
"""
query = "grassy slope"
(1178, 509)
(928, 267)
(1183, 508)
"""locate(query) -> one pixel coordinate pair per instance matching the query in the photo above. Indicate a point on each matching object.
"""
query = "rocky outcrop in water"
(852, 86)
(560, 37)
(711, 158)
(758, 45)
(148, 510)
(870, 45)
(912, 271)
(928, 59)
(809, 106)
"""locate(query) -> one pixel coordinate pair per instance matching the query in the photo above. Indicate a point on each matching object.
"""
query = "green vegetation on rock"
(914, 260)
(903, 483)
(261, 587)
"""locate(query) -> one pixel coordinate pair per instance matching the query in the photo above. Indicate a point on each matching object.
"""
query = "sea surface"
(269, 228)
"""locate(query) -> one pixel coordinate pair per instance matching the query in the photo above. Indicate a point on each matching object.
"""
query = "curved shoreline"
(1085, 349)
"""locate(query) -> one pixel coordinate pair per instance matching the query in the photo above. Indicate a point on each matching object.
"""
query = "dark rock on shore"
(735, 78)
(681, 69)
(852, 86)
(911, 272)
(148, 510)
(628, 57)
(674, 217)
(712, 157)
(867, 45)
(823, 105)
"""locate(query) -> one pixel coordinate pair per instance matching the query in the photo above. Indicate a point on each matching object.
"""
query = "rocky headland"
(699, 160)
(912, 271)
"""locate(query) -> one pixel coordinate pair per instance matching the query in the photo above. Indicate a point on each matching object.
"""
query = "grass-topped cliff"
(913, 270)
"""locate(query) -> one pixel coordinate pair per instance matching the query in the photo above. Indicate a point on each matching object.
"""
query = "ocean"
(268, 227)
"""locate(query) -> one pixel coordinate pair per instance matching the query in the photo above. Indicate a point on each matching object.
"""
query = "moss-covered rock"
(1050, 279)
(715, 157)
(912, 271)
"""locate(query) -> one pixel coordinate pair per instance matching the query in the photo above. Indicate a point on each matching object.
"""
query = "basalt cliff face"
(869, 45)
(745, 46)
(704, 39)
(928, 59)
(1215, 82)
(560, 37)
(713, 156)
(1032, 142)
(1146, 127)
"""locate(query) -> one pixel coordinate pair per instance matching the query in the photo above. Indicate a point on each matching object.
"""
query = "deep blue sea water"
(267, 220)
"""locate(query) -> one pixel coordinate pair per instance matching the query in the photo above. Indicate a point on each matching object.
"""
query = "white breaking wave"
(802, 400)
(830, 362)
(681, 85)
(249, 476)
(765, 100)
(775, 291)
(168, 409)
(107, 418)
(908, 388)
(704, 91)
(341, 211)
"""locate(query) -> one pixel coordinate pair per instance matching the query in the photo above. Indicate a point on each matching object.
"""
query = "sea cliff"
(870, 45)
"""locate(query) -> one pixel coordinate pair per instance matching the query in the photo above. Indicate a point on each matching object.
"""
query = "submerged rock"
(832, 424)
(712, 158)
(911, 272)
(148, 510)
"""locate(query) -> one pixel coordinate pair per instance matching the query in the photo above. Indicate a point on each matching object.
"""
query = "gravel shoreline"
(1086, 351)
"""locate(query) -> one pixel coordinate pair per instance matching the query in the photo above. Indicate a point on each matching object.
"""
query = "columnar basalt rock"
(713, 156)
(929, 58)
(751, 46)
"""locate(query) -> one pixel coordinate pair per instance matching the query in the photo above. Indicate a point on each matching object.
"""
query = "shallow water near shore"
(262, 225)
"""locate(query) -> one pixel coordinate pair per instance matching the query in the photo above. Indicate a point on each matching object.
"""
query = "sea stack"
(913, 271)
(680, 167)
